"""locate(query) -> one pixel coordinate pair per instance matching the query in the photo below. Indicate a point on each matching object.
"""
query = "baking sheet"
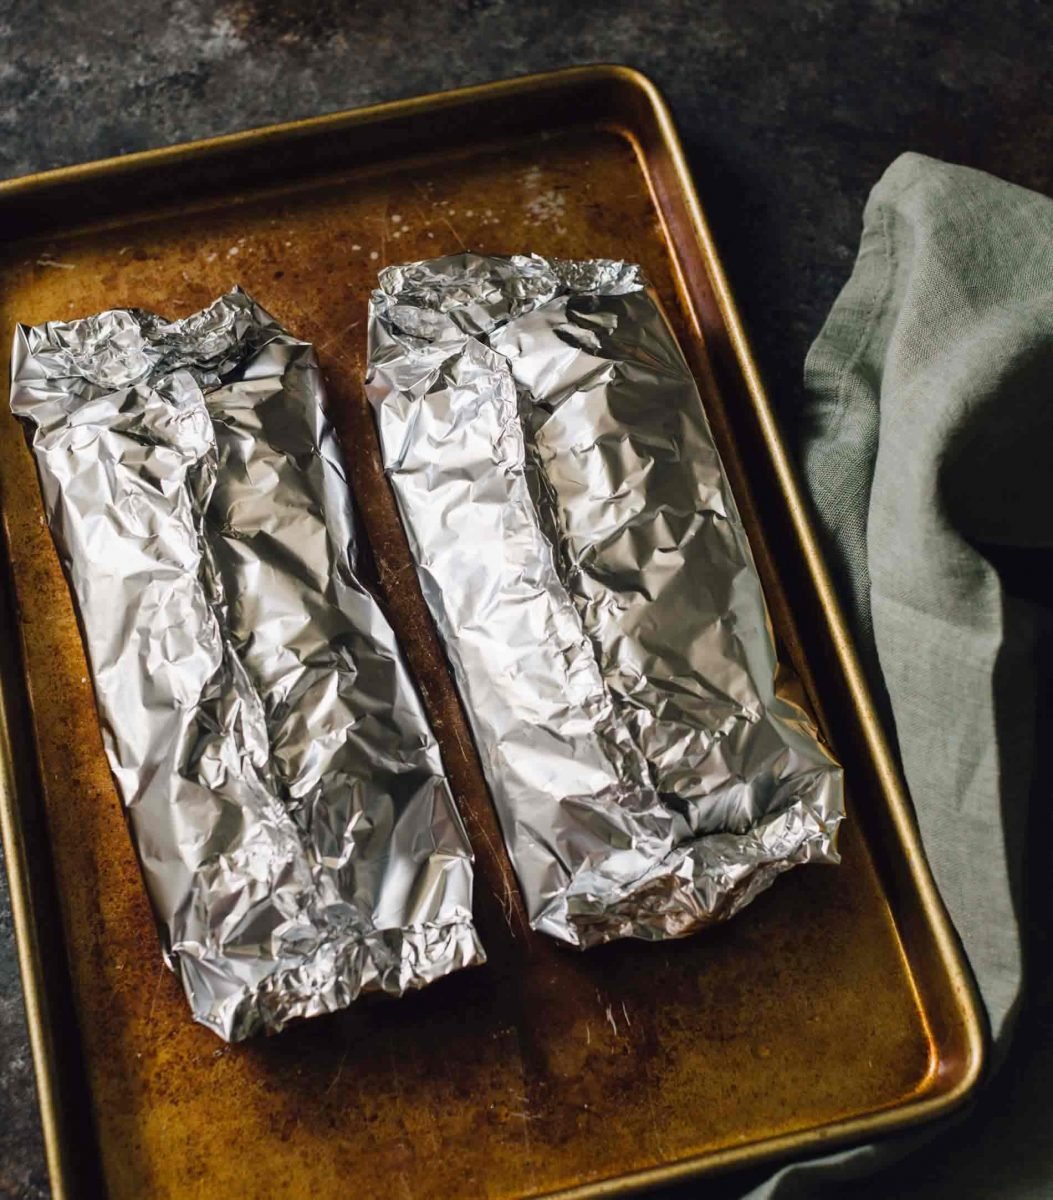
(547, 1071)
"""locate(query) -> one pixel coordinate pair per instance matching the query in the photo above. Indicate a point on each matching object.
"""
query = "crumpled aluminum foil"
(285, 793)
(582, 555)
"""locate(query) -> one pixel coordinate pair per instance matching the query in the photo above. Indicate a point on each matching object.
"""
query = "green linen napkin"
(927, 448)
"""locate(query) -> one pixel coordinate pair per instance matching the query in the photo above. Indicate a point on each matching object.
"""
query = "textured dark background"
(789, 112)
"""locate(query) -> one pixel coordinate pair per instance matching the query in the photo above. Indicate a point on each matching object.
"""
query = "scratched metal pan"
(836, 1007)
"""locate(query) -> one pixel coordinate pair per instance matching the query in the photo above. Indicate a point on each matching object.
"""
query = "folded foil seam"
(285, 794)
(580, 550)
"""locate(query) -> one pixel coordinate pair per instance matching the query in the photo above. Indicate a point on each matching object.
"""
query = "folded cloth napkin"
(927, 447)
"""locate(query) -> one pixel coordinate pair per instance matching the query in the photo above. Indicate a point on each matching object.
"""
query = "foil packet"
(285, 794)
(580, 550)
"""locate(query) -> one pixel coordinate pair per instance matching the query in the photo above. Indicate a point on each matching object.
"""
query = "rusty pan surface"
(836, 1006)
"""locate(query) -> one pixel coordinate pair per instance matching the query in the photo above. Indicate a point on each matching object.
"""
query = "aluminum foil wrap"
(285, 794)
(583, 558)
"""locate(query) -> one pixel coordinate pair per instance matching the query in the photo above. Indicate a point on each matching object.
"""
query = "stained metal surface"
(547, 1070)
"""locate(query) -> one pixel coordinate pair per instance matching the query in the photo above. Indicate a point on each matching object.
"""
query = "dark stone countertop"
(789, 113)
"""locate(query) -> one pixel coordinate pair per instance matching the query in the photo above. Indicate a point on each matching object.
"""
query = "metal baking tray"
(837, 1007)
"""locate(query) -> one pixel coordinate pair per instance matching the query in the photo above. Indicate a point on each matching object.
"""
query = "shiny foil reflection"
(295, 829)
(581, 553)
